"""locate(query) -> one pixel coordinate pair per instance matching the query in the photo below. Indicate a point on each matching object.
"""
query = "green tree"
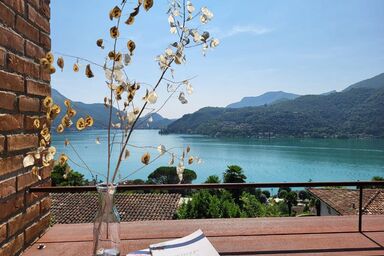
(168, 175)
(251, 206)
(290, 199)
(213, 179)
(377, 178)
(234, 174)
(63, 175)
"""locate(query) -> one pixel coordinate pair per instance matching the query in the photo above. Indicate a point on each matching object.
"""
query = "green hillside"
(350, 113)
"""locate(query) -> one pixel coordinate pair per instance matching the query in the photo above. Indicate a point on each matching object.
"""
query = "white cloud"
(249, 29)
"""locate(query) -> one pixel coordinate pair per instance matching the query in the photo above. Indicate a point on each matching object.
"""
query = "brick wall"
(24, 38)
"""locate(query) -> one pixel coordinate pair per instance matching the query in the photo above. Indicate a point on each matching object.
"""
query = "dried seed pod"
(60, 63)
(49, 56)
(36, 123)
(80, 124)
(100, 43)
(148, 4)
(47, 102)
(63, 159)
(75, 67)
(52, 70)
(88, 71)
(60, 128)
(88, 121)
(131, 46)
(115, 13)
(146, 158)
(45, 63)
(114, 32)
(130, 20)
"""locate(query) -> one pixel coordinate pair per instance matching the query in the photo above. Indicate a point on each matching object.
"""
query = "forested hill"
(353, 112)
(101, 114)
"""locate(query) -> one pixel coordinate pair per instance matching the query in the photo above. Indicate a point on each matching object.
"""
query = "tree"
(213, 179)
(234, 174)
(290, 199)
(266, 193)
(63, 175)
(377, 178)
(303, 194)
(168, 175)
(251, 206)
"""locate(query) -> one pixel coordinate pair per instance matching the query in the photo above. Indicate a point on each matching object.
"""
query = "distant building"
(346, 201)
(82, 207)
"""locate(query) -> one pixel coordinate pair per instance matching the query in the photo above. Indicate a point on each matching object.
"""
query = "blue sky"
(304, 47)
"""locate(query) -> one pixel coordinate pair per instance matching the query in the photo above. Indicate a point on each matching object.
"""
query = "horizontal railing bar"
(77, 189)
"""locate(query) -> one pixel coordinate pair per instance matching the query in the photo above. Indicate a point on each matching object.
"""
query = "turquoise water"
(276, 160)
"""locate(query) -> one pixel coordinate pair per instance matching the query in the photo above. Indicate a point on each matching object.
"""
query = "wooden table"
(334, 235)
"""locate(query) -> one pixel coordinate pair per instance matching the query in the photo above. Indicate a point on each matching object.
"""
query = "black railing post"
(360, 208)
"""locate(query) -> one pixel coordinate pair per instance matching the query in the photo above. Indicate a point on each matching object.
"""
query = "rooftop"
(131, 207)
(335, 235)
(346, 201)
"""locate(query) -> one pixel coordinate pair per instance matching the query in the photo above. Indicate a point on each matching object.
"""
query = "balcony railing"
(360, 185)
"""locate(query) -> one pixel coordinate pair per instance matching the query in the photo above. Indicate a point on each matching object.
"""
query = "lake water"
(275, 160)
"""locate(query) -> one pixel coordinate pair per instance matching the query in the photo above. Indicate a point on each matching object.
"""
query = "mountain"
(100, 114)
(375, 82)
(350, 113)
(266, 98)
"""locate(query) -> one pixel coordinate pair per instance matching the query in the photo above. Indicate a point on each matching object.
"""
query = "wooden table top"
(334, 235)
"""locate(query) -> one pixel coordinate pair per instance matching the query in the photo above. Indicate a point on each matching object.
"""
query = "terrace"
(335, 235)
(25, 203)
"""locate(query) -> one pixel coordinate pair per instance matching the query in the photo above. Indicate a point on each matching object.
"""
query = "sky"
(297, 46)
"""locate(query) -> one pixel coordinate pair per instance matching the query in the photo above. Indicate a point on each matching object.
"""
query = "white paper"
(145, 252)
(195, 244)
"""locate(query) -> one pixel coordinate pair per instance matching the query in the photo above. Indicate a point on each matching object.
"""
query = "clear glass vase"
(106, 228)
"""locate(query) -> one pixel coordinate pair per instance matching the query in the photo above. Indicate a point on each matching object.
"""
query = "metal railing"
(360, 185)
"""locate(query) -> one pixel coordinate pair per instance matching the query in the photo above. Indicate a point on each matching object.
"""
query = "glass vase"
(106, 227)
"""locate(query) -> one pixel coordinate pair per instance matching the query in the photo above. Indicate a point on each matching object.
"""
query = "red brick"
(8, 100)
(2, 141)
(31, 213)
(10, 122)
(13, 246)
(22, 141)
(11, 82)
(23, 66)
(18, 222)
(27, 29)
(45, 172)
(35, 3)
(3, 232)
(37, 88)
(28, 104)
(10, 164)
(2, 57)
(45, 10)
(16, 5)
(31, 198)
(28, 122)
(36, 229)
(11, 40)
(7, 187)
(41, 21)
(33, 51)
(7, 16)
(45, 205)
(26, 180)
(11, 205)
(44, 75)
(45, 41)
(15, 224)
